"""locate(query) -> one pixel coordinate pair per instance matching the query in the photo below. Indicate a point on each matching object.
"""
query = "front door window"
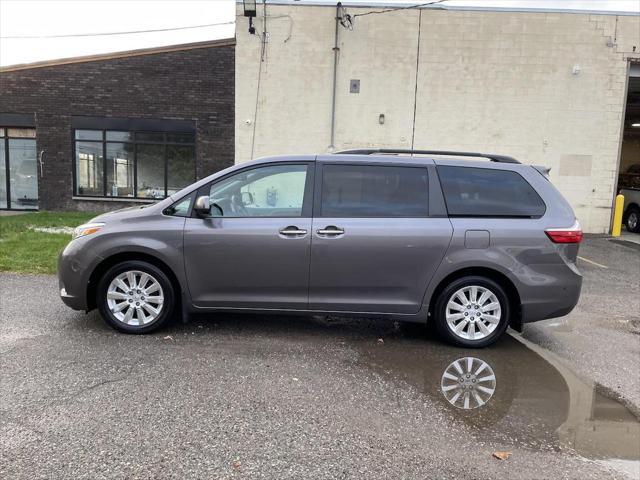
(273, 191)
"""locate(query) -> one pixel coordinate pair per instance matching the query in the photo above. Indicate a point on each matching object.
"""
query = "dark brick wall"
(196, 84)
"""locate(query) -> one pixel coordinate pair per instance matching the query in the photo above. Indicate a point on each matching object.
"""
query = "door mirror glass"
(202, 205)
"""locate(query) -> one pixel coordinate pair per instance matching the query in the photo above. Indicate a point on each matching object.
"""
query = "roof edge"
(441, 6)
(122, 54)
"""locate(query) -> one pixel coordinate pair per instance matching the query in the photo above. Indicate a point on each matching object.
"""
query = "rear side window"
(483, 192)
(374, 191)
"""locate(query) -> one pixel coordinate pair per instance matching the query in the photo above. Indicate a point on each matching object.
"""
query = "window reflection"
(120, 170)
(150, 171)
(181, 168)
(18, 169)
(89, 168)
(129, 164)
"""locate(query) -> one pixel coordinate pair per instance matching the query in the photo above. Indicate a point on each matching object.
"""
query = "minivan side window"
(269, 191)
(374, 191)
(180, 208)
(484, 192)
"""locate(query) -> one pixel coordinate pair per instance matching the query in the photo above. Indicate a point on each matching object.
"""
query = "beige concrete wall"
(487, 81)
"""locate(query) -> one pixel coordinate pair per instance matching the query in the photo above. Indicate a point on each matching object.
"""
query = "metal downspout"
(336, 50)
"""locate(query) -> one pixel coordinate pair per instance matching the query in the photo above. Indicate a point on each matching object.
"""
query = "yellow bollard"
(617, 216)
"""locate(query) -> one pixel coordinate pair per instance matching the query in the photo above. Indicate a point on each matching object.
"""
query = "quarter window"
(111, 163)
(272, 191)
(374, 191)
(484, 192)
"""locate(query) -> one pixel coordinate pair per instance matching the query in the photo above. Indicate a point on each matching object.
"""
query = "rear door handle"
(330, 231)
(292, 231)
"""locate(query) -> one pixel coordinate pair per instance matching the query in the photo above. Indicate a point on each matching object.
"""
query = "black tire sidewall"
(637, 212)
(441, 305)
(158, 274)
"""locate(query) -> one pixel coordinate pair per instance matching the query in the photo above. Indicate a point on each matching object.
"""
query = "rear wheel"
(472, 312)
(633, 220)
(135, 297)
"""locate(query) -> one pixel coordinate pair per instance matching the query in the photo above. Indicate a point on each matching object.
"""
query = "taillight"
(572, 234)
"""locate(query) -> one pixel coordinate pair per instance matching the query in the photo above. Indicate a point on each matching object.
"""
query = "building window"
(123, 164)
(18, 169)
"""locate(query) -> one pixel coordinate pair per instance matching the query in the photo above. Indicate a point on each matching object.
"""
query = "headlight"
(87, 229)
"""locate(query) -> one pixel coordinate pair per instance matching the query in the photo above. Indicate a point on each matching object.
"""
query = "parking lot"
(296, 397)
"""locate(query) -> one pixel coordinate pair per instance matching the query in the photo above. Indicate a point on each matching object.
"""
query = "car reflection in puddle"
(512, 395)
(468, 383)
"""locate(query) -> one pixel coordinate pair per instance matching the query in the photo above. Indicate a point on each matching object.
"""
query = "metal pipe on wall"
(336, 50)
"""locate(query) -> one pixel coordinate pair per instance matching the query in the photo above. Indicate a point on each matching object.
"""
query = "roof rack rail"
(372, 151)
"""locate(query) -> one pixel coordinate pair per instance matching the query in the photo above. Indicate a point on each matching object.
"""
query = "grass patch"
(26, 251)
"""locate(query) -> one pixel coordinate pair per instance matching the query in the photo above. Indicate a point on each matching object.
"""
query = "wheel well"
(109, 262)
(628, 209)
(501, 279)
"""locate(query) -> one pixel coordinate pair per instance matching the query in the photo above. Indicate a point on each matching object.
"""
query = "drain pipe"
(336, 50)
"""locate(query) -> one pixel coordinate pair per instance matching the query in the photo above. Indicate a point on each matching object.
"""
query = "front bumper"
(73, 277)
(74, 302)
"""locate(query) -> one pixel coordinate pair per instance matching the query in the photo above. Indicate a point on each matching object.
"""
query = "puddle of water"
(511, 395)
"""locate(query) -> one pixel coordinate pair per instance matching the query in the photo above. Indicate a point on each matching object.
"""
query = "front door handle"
(330, 231)
(292, 231)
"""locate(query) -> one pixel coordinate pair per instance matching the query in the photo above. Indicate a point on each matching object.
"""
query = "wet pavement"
(600, 338)
(289, 397)
(513, 392)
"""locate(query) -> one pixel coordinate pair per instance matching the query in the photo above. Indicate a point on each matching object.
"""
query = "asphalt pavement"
(231, 396)
(600, 338)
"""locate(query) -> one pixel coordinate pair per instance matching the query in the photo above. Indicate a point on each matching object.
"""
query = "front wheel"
(135, 297)
(472, 312)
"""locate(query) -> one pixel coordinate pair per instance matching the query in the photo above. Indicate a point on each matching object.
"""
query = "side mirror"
(202, 205)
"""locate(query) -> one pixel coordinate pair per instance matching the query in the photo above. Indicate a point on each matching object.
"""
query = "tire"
(632, 221)
(479, 327)
(116, 298)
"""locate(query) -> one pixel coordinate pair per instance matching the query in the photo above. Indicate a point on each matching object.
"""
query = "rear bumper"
(553, 301)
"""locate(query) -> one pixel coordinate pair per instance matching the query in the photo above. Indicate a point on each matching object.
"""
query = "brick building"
(101, 132)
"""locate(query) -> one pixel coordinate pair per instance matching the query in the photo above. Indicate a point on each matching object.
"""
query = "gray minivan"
(422, 236)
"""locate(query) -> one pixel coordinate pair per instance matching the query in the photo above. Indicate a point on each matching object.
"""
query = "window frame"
(134, 142)
(4, 144)
(433, 211)
(522, 217)
(307, 201)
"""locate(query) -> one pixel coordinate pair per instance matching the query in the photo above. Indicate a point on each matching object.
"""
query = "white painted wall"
(487, 81)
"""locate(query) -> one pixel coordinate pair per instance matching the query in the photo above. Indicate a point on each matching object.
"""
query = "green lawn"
(24, 250)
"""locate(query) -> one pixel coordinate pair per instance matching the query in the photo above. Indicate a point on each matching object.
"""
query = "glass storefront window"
(88, 134)
(3, 174)
(150, 171)
(21, 132)
(128, 164)
(181, 168)
(120, 179)
(18, 169)
(89, 168)
(119, 136)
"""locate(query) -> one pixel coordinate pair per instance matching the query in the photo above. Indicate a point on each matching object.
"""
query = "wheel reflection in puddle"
(468, 383)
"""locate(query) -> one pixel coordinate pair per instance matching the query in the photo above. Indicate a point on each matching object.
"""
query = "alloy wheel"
(473, 312)
(135, 298)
